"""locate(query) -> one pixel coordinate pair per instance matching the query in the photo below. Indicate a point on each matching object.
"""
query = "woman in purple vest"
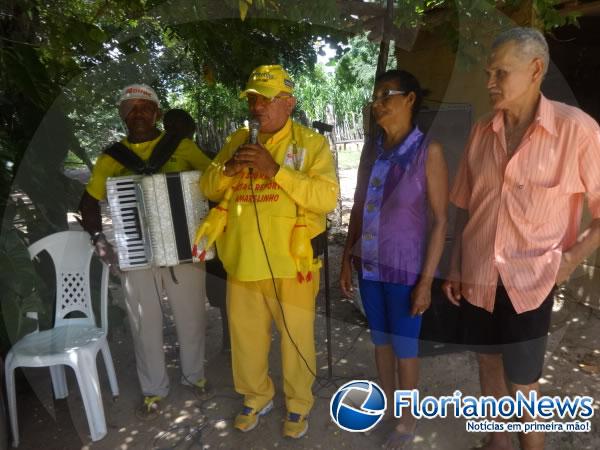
(401, 198)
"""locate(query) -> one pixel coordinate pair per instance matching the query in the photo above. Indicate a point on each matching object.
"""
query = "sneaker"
(150, 407)
(247, 419)
(295, 426)
(203, 388)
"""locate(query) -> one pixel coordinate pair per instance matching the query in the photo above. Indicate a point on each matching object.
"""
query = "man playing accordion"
(184, 284)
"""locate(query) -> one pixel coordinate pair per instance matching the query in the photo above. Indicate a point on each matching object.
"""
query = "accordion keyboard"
(127, 225)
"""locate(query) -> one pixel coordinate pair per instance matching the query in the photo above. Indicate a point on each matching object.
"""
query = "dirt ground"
(572, 367)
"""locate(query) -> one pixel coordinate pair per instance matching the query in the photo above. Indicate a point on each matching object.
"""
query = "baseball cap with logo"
(268, 81)
(139, 91)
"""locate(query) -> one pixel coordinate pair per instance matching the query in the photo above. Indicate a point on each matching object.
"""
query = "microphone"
(254, 126)
(253, 137)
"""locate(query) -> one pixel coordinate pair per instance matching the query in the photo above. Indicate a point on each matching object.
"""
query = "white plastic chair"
(73, 342)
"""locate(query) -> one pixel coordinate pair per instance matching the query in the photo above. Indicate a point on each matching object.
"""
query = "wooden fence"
(211, 134)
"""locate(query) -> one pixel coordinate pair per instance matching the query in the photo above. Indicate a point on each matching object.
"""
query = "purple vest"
(394, 231)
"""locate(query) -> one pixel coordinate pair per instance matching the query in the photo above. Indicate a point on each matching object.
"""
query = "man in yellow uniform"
(289, 167)
(184, 285)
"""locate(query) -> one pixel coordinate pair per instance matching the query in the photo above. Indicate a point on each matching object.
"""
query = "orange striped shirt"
(525, 211)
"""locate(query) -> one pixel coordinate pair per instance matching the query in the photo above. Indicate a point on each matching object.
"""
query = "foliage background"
(62, 63)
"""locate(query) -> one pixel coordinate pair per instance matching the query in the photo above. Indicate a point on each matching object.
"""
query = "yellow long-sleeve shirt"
(305, 178)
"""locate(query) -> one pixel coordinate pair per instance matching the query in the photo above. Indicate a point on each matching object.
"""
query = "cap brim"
(265, 91)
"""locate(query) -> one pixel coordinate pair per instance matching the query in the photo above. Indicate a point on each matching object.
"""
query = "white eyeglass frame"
(387, 93)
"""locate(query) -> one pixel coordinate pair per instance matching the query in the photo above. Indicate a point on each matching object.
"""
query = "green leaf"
(11, 316)
(28, 325)
(17, 273)
(97, 34)
(31, 303)
(244, 5)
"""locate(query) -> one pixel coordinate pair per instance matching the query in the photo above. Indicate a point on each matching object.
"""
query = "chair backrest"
(71, 253)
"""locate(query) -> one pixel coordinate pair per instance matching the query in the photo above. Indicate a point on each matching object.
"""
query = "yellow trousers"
(251, 309)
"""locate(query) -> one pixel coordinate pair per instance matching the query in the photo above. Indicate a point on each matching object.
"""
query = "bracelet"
(96, 237)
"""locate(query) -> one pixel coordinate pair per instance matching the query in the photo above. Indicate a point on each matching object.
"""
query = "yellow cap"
(268, 81)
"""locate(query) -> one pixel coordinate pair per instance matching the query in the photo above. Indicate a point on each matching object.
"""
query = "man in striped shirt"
(519, 191)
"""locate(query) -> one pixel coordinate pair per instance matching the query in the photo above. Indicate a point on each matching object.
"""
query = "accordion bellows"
(155, 218)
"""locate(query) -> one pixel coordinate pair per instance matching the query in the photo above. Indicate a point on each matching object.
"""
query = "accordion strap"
(163, 151)
(126, 157)
(160, 155)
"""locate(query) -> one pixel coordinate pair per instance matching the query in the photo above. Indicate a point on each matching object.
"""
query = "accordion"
(155, 218)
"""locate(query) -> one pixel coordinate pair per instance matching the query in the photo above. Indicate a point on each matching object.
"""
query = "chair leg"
(110, 369)
(84, 364)
(59, 381)
(11, 395)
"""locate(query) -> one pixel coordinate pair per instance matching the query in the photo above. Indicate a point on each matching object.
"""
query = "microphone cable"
(253, 138)
(319, 379)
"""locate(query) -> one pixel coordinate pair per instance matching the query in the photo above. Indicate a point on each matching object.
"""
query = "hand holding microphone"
(254, 126)
(254, 156)
(235, 165)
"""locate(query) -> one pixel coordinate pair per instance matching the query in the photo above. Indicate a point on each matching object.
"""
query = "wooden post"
(384, 46)
(384, 50)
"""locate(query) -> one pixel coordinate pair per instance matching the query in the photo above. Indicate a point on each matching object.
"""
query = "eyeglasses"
(386, 94)
(254, 99)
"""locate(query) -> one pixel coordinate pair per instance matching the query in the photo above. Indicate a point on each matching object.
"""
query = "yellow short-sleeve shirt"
(187, 156)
